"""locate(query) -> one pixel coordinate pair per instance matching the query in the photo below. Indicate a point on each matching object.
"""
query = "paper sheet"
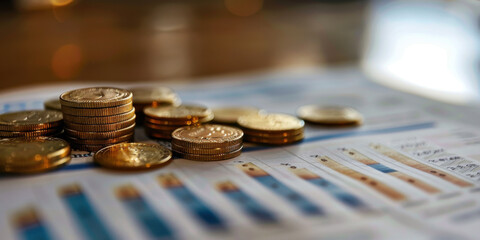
(411, 171)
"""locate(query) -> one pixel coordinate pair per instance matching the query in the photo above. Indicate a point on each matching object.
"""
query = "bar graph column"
(83, 212)
(417, 165)
(364, 179)
(268, 181)
(29, 225)
(191, 202)
(249, 205)
(144, 214)
(332, 189)
(354, 154)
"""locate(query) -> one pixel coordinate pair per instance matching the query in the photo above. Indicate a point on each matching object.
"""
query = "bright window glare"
(431, 48)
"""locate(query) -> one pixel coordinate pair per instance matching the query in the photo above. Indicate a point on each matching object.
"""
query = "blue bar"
(338, 193)
(197, 207)
(251, 206)
(382, 168)
(86, 216)
(147, 218)
(300, 202)
(35, 231)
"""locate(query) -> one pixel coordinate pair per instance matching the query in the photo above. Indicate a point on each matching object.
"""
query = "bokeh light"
(67, 61)
(243, 8)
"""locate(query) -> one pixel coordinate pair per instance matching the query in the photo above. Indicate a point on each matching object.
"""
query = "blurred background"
(429, 47)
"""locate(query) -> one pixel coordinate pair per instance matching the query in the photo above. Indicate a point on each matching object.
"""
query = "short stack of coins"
(273, 129)
(160, 122)
(208, 142)
(98, 117)
(32, 123)
(144, 97)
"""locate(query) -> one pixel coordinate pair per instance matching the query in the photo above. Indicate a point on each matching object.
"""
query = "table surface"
(168, 40)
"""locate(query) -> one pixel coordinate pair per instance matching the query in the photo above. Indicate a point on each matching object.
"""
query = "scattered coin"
(32, 155)
(330, 115)
(30, 120)
(230, 115)
(130, 156)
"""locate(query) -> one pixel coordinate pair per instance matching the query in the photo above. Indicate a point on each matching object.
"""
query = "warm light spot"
(60, 3)
(67, 61)
(243, 8)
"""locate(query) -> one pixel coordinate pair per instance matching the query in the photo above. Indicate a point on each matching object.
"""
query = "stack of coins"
(31, 124)
(330, 115)
(53, 104)
(152, 97)
(274, 129)
(31, 155)
(98, 117)
(230, 115)
(209, 142)
(160, 122)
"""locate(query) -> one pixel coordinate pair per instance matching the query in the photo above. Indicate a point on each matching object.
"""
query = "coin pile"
(230, 115)
(98, 117)
(160, 122)
(209, 142)
(152, 97)
(31, 155)
(31, 124)
(131, 156)
(275, 129)
(330, 115)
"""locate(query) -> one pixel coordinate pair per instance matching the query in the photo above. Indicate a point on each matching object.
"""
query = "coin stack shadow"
(33, 123)
(209, 142)
(160, 122)
(92, 128)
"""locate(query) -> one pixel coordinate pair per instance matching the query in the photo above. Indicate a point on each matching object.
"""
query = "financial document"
(411, 171)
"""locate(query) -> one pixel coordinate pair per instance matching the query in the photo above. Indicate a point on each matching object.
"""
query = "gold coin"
(230, 115)
(53, 104)
(210, 157)
(93, 112)
(99, 119)
(100, 135)
(330, 115)
(88, 147)
(182, 112)
(96, 97)
(124, 138)
(217, 150)
(170, 128)
(274, 141)
(30, 120)
(133, 156)
(207, 136)
(30, 155)
(100, 127)
(154, 96)
(271, 122)
(29, 134)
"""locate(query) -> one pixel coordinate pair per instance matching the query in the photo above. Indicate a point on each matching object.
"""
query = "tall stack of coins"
(275, 129)
(98, 117)
(160, 122)
(31, 155)
(152, 97)
(330, 115)
(209, 142)
(31, 124)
